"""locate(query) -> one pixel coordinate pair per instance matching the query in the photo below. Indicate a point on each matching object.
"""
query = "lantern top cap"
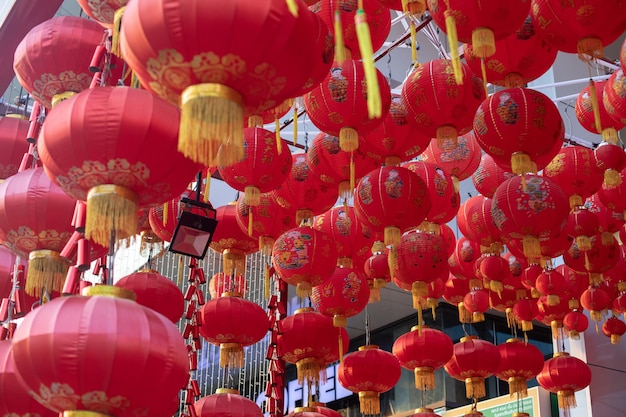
(468, 338)
(303, 310)
(232, 294)
(424, 410)
(304, 410)
(367, 347)
(417, 327)
(109, 291)
(559, 354)
(226, 391)
(513, 340)
(520, 414)
(147, 270)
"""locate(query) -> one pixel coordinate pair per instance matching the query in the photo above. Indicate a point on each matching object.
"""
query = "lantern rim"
(109, 291)
(227, 391)
(367, 347)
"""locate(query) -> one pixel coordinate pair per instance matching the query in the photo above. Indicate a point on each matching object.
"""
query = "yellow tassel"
(553, 300)
(475, 387)
(352, 173)
(510, 318)
(295, 128)
(575, 200)
(266, 245)
(517, 385)
(420, 317)
(255, 121)
(612, 178)
(231, 355)
(117, 28)
(497, 287)
(374, 102)
(310, 369)
(615, 338)
(424, 378)
(609, 134)
(573, 303)
(279, 141)
(478, 317)
(303, 289)
(521, 163)
(340, 53)
(252, 196)
(207, 188)
(340, 321)
(583, 243)
(110, 209)
(566, 399)
(233, 261)
(527, 325)
(483, 42)
(464, 315)
(595, 106)
(46, 272)
(413, 43)
(531, 247)
(414, 7)
(590, 48)
(453, 41)
(250, 222)
(180, 270)
(374, 295)
(392, 260)
(607, 239)
(268, 282)
(369, 402)
(293, 7)
(340, 348)
(456, 183)
(483, 69)
(165, 213)
(348, 139)
(392, 235)
(134, 80)
(211, 115)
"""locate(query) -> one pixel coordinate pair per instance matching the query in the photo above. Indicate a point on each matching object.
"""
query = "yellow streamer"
(339, 44)
(453, 41)
(374, 103)
(293, 7)
(594, 105)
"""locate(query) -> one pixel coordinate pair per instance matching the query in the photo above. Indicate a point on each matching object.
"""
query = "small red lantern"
(462, 260)
(476, 302)
(344, 294)
(472, 361)
(563, 375)
(614, 97)
(423, 351)
(312, 412)
(582, 225)
(369, 372)
(577, 282)
(610, 220)
(488, 176)
(155, 291)
(376, 268)
(614, 328)
(221, 283)
(95, 363)
(519, 128)
(308, 339)
(226, 402)
(459, 161)
(596, 301)
(475, 222)
(519, 362)
(524, 312)
(600, 258)
(304, 257)
(438, 105)
(593, 116)
(232, 322)
(552, 315)
(575, 322)
(232, 242)
(552, 284)
(13, 145)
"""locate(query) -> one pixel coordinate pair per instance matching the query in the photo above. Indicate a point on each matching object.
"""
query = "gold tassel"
(266, 245)
(340, 48)
(553, 300)
(447, 137)
(583, 243)
(574, 334)
(303, 289)
(527, 325)
(255, 121)
(590, 48)
(295, 128)
(250, 222)
(497, 287)
(607, 239)
(483, 42)
(612, 178)
(231, 355)
(310, 369)
(456, 183)
(392, 235)
(433, 303)
(478, 317)
(483, 70)
(340, 344)
(211, 115)
(522, 164)
(369, 402)
(555, 326)
(566, 399)
(352, 173)
(180, 270)
(464, 315)
(573, 303)
(252, 196)
(420, 317)
(453, 41)
(374, 295)
(374, 102)
(615, 338)
(279, 141)
(413, 42)
(414, 7)
(531, 247)
(46, 272)
(575, 200)
(268, 282)
(392, 260)
(510, 317)
(110, 209)
(340, 321)
(475, 387)
(596, 316)
(348, 139)
(595, 106)
(609, 134)
(165, 213)
(117, 29)
(424, 378)
(293, 7)
(517, 385)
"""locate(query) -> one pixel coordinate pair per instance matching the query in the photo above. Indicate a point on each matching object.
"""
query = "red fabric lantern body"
(232, 322)
(579, 26)
(475, 221)
(488, 176)
(269, 220)
(595, 300)
(423, 351)
(524, 312)
(369, 372)
(476, 302)
(564, 375)
(391, 199)
(614, 97)
(344, 295)
(614, 328)
(304, 191)
(338, 105)
(97, 354)
(444, 198)
(519, 58)
(519, 126)
(13, 145)
(494, 270)
(462, 260)
(155, 291)
(577, 282)
(519, 362)
(196, 54)
(376, 268)
(581, 225)
(600, 257)
(551, 284)
(308, 339)
(531, 212)
(458, 161)
(472, 361)
(551, 315)
(304, 257)
(232, 242)
(439, 106)
(14, 400)
(36, 62)
(575, 322)
(226, 401)
(608, 126)
(262, 168)
(35, 217)
(111, 161)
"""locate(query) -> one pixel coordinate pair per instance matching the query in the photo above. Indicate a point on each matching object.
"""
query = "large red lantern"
(226, 402)
(232, 322)
(564, 375)
(530, 207)
(369, 372)
(614, 97)
(97, 352)
(593, 116)
(198, 55)
(472, 361)
(111, 166)
(519, 362)
(610, 220)
(438, 105)
(155, 291)
(304, 257)
(519, 128)
(35, 223)
(391, 199)
(232, 242)
(308, 339)
(262, 169)
(13, 145)
(488, 176)
(423, 351)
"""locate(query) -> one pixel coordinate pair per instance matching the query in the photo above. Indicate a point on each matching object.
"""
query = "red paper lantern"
(476, 302)
(530, 207)
(553, 285)
(344, 295)
(519, 362)
(563, 375)
(423, 351)
(602, 256)
(516, 264)
(552, 315)
(226, 402)
(304, 191)
(232, 322)
(582, 224)
(577, 282)
(155, 291)
(614, 328)
(455, 289)
(376, 268)
(595, 300)
(575, 322)
(196, 54)
(96, 354)
(232, 242)
(369, 372)
(391, 199)
(585, 112)
(13, 145)
(488, 176)
(614, 97)
(462, 260)
(459, 161)
(221, 283)
(579, 26)
(312, 412)
(520, 58)
(524, 312)
(494, 270)
(35, 217)
(164, 218)
(309, 340)
(304, 257)
(610, 220)
(439, 106)
(475, 222)
(103, 11)
(472, 361)
(519, 127)
(118, 137)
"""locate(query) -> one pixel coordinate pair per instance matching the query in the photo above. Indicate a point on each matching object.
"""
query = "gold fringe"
(340, 345)
(231, 355)
(233, 261)
(590, 48)
(527, 325)
(46, 272)
(531, 247)
(566, 399)
(595, 279)
(345, 190)
(303, 289)
(510, 317)
(117, 30)
(583, 243)
(181, 265)
(348, 139)
(615, 338)
(340, 321)
(374, 101)
(303, 216)
(574, 334)
(414, 7)
(464, 315)
(555, 326)
(596, 315)
(211, 115)
(447, 137)
(293, 7)
(612, 178)
(374, 295)
(453, 41)
(267, 279)
(424, 378)
(392, 235)
(352, 175)
(609, 134)
(255, 121)
(310, 369)
(369, 402)
(517, 385)
(57, 98)
(521, 163)
(575, 200)
(413, 40)
(607, 239)
(207, 187)
(266, 245)
(456, 183)
(483, 42)
(497, 287)
(534, 293)
(475, 387)
(573, 303)
(595, 106)
(252, 195)
(553, 300)
(478, 316)
(250, 222)
(340, 48)
(380, 283)
(483, 71)
(110, 208)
